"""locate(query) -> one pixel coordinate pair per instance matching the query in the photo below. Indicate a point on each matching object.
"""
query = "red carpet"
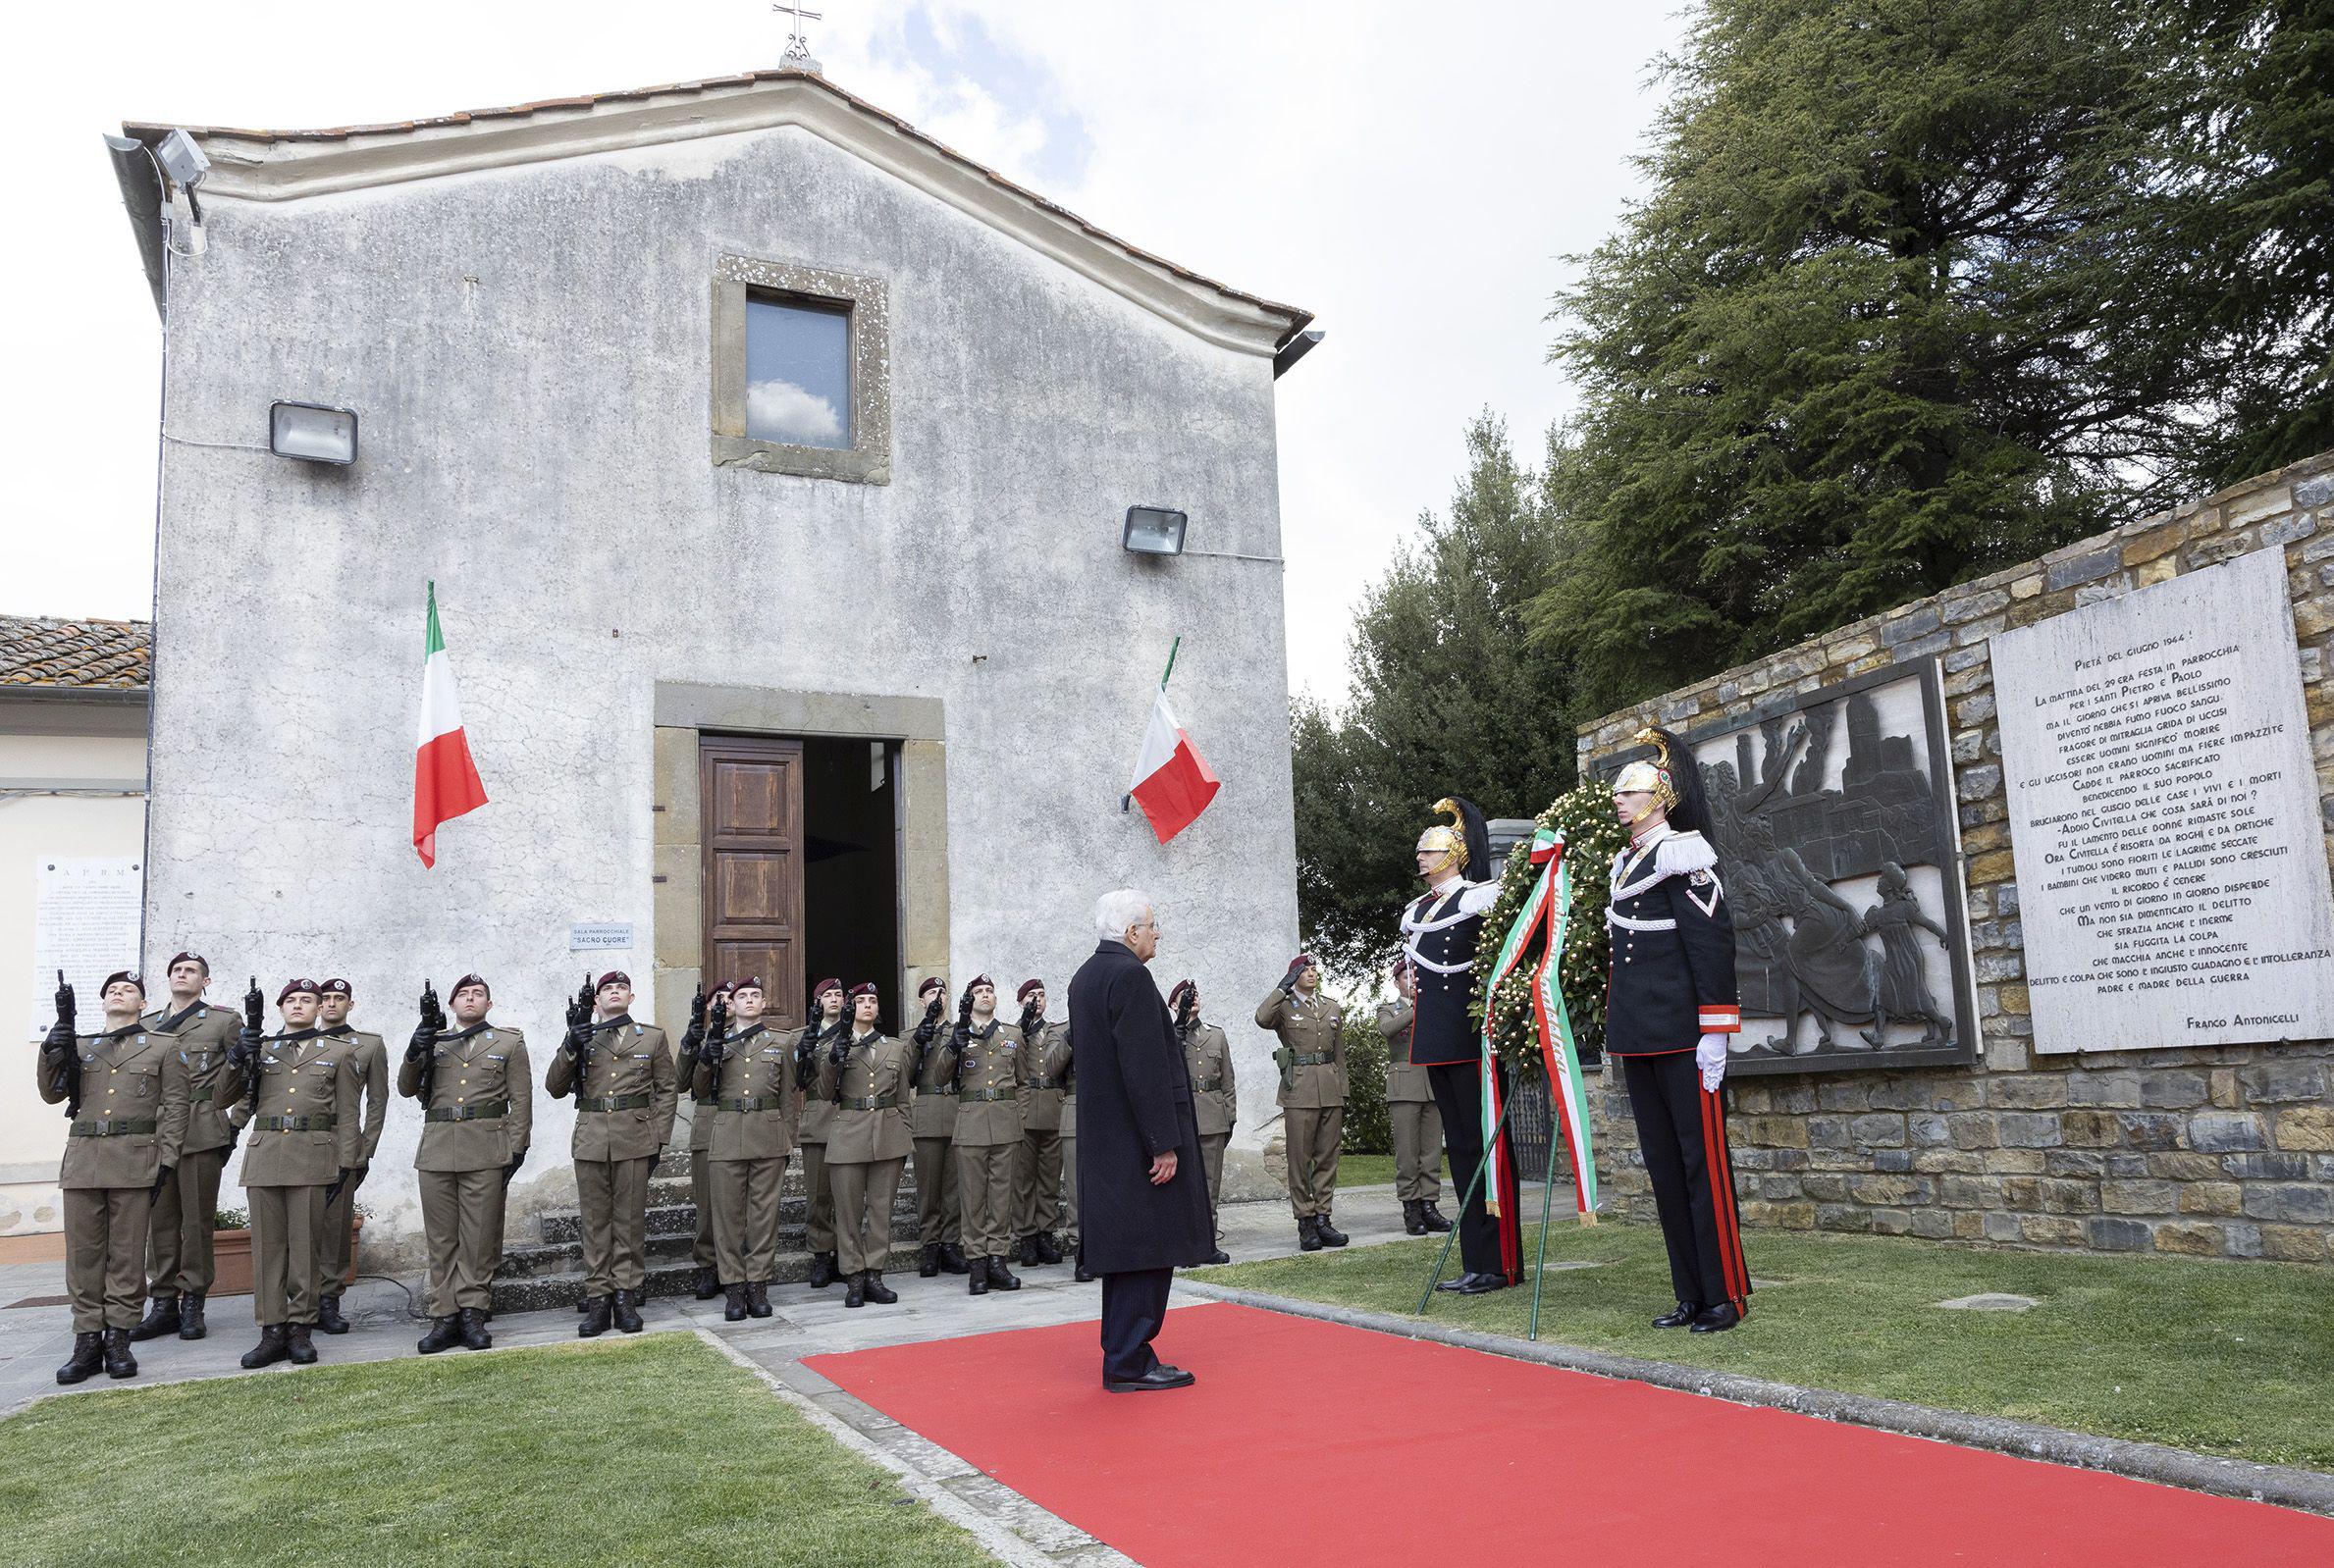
(1311, 1442)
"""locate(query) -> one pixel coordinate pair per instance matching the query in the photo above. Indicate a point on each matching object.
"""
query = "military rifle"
(1032, 1019)
(424, 1046)
(716, 1030)
(1187, 1014)
(255, 1025)
(65, 1040)
(925, 1031)
(579, 1031)
(962, 1036)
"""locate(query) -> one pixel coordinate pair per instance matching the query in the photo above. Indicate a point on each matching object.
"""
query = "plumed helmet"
(1463, 842)
(1671, 776)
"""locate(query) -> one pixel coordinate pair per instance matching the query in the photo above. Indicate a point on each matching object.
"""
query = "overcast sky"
(1413, 174)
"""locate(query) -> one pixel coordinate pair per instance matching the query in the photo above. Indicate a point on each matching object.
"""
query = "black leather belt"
(486, 1112)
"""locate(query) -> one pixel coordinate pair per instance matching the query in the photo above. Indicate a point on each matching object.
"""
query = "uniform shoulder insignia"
(1684, 854)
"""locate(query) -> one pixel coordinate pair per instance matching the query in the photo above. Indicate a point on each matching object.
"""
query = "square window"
(798, 371)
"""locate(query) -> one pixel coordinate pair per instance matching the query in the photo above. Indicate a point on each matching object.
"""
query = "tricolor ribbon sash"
(1538, 937)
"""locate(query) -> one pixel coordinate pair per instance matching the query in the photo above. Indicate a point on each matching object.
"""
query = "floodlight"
(313, 432)
(182, 159)
(1154, 531)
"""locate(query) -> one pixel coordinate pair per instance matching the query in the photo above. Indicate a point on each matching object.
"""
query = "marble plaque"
(85, 914)
(2164, 818)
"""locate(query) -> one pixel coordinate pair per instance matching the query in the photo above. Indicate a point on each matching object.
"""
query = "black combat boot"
(162, 1317)
(1027, 1253)
(758, 1299)
(115, 1347)
(853, 1289)
(1413, 1222)
(882, 1294)
(299, 1346)
(1001, 1277)
(976, 1282)
(473, 1325)
(707, 1285)
(328, 1315)
(445, 1334)
(1049, 1251)
(272, 1347)
(734, 1311)
(1308, 1234)
(821, 1270)
(598, 1315)
(88, 1354)
(1436, 1225)
(1331, 1235)
(928, 1261)
(191, 1323)
(952, 1258)
(627, 1310)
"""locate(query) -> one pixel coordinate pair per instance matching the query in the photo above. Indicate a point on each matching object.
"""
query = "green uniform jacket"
(479, 1067)
(372, 1079)
(1041, 1090)
(989, 1088)
(204, 1033)
(1308, 1028)
(862, 1133)
(1061, 1065)
(133, 1074)
(1406, 1081)
(1215, 1099)
(629, 1084)
(312, 1076)
(756, 1070)
(934, 1115)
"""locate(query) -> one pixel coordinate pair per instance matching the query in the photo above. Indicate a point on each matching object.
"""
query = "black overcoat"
(1133, 1104)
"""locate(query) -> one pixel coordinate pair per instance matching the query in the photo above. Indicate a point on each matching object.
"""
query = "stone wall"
(2221, 1152)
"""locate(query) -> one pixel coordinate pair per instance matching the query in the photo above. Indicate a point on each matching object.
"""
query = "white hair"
(1117, 911)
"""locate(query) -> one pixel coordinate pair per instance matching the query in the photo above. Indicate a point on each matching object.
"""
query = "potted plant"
(231, 1247)
(357, 1214)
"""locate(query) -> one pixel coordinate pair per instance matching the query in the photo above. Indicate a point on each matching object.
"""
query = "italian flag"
(444, 779)
(1173, 782)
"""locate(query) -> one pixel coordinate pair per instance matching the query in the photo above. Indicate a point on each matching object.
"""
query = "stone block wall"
(2216, 1152)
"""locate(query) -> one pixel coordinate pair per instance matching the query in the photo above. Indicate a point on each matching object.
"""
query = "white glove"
(1711, 1056)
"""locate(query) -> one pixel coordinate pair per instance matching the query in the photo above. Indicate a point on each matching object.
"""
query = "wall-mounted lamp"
(313, 432)
(1154, 531)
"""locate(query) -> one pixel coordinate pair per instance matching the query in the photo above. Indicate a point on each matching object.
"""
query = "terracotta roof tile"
(37, 651)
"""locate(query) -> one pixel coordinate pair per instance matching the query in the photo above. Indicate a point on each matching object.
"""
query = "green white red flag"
(446, 781)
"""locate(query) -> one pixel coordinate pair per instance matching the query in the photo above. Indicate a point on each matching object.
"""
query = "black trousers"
(1458, 1096)
(1134, 1306)
(1682, 1130)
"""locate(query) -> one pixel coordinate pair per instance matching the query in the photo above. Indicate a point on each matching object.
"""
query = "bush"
(230, 1220)
(1368, 1129)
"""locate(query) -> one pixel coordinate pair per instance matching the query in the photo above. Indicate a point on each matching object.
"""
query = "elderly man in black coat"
(1141, 1190)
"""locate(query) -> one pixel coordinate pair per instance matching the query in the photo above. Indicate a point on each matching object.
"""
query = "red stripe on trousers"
(1718, 1163)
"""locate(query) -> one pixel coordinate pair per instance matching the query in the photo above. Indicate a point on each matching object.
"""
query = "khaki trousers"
(105, 1256)
(1312, 1139)
(746, 1219)
(180, 1234)
(1211, 1156)
(984, 1194)
(611, 1197)
(1417, 1150)
(1037, 1182)
(461, 1218)
(936, 1217)
(284, 1226)
(334, 1245)
(819, 1228)
(864, 1194)
(701, 1193)
(1070, 1189)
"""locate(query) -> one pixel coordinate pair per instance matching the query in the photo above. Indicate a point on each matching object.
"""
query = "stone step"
(680, 1219)
(541, 1291)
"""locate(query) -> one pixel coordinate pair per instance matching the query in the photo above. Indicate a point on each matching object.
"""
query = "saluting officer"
(179, 1265)
(1060, 1064)
(621, 1075)
(1215, 1096)
(939, 1228)
(828, 1018)
(1312, 1095)
(478, 1117)
(987, 1064)
(1038, 1159)
(125, 1088)
(1669, 1012)
(867, 1142)
(1410, 1108)
(707, 1281)
(334, 1001)
(748, 1070)
(301, 1113)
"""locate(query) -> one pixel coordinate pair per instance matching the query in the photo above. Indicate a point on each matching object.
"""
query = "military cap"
(478, 981)
(336, 987)
(931, 984)
(612, 977)
(1027, 986)
(294, 987)
(123, 975)
(178, 958)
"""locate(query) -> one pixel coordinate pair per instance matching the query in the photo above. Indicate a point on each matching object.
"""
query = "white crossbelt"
(1627, 924)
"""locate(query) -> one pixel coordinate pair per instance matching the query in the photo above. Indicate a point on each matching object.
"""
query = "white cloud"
(779, 410)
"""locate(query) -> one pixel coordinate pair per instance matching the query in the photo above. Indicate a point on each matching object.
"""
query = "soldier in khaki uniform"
(128, 1123)
(180, 1266)
(986, 1064)
(373, 1079)
(1215, 1096)
(1060, 1064)
(621, 1075)
(1037, 1162)
(707, 1282)
(478, 1117)
(748, 1071)
(1313, 1093)
(940, 1225)
(868, 1143)
(301, 1113)
(1410, 1107)
(827, 1017)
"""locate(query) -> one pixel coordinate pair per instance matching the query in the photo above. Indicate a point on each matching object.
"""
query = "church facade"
(771, 464)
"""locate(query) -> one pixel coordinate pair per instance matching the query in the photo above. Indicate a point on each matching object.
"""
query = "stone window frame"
(868, 459)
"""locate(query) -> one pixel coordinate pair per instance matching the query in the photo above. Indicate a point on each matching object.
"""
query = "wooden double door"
(751, 798)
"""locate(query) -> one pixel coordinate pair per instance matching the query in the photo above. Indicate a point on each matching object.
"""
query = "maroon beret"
(744, 983)
(932, 983)
(1304, 961)
(478, 981)
(1175, 996)
(979, 980)
(612, 977)
(335, 988)
(123, 974)
(293, 987)
(858, 991)
(187, 958)
(1027, 986)
(723, 988)
(824, 986)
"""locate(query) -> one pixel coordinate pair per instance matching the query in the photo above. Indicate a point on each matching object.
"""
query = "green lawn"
(2234, 1359)
(1365, 1170)
(656, 1450)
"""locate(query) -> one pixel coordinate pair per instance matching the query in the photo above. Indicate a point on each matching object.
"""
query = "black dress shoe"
(1679, 1316)
(882, 1294)
(1718, 1319)
(115, 1347)
(1159, 1376)
(1432, 1218)
(627, 1311)
(953, 1259)
(977, 1278)
(599, 1316)
(1001, 1277)
(299, 1346)
(928, 1261)
(707, 1285)
(1219, 1256)
(1331, 1235)
(1084, 1274)
(734, 1310)
(1473, 1285)
(328, 1315)
(162, 1317)
(1308, 1234)
(445, 1334)
(88, 1354)
(472, 1324)
(191, 1323)
(272, 1348)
